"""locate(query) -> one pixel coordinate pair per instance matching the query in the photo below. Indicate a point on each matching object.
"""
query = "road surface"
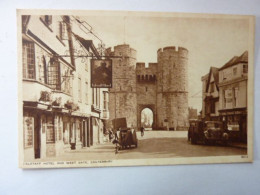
(154, 144)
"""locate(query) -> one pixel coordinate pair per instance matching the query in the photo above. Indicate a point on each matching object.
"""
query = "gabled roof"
(235, 60)
(214, 72)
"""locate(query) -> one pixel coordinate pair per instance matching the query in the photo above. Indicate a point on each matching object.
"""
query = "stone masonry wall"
(122, 98)
(172, 87)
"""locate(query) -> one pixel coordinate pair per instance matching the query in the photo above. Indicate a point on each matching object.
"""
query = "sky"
(210, 41)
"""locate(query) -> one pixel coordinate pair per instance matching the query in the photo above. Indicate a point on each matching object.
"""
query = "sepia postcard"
(120, 88)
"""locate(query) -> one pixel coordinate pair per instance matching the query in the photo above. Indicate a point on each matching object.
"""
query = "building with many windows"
(233, 95)
(225, 96)
(60, 110)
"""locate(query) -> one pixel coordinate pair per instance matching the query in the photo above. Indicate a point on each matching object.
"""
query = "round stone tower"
(122, 95)
(172, 88)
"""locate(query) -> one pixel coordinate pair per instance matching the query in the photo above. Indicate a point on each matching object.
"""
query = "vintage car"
(207, 132)
(127, 138)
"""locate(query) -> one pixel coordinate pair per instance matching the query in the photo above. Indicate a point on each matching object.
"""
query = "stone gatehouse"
(161, 87)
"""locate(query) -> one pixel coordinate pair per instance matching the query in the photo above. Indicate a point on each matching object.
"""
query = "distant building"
(193, 113)
(60, 110)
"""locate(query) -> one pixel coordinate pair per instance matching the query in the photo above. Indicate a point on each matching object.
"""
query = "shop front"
(235, 121)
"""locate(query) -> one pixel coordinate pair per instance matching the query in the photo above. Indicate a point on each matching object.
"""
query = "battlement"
(180, 50)
(141, 69)
(146, 74)
(121, 50)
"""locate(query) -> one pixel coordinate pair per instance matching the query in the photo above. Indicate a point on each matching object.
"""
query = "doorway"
(147, 118)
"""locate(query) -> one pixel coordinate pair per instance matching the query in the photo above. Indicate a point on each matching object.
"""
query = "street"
(154, 144)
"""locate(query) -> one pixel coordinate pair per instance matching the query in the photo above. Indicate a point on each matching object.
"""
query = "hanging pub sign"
(101, 73)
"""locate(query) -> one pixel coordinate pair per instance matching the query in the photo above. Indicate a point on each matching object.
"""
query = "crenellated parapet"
(146, 73)
(174, 51)
(123, 50)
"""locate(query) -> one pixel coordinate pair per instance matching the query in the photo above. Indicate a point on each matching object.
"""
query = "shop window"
(54, 74)
(28, 60)
(50, 135)
(28, 131)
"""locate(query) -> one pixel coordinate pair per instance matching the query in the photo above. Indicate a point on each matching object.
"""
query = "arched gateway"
(161, 87)
(143, 117)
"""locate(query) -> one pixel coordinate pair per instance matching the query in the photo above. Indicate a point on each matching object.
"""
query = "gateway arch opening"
(147, 118)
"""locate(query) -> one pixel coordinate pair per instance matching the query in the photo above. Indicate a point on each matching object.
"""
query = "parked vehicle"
(207, 132)
(125, 137)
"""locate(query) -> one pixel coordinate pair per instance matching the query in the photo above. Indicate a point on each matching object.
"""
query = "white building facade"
(233, 96)
(60, 110)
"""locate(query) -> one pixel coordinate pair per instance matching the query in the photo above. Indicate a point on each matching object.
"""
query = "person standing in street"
(142, 131)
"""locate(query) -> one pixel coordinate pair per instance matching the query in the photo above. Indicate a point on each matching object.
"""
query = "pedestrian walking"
(110, 134)
(142, 131)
